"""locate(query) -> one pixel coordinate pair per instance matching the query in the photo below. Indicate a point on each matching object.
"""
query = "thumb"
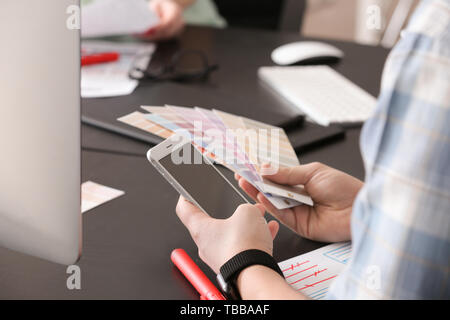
(192, 217)
(274, 226)
(290, 176)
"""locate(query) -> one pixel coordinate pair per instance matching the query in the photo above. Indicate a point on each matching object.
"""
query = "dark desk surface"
(127, 242)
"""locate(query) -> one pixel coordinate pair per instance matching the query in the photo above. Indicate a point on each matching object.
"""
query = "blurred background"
(373, 22)
(347, 19)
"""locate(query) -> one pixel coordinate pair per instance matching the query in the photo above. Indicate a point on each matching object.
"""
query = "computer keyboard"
(321, 93)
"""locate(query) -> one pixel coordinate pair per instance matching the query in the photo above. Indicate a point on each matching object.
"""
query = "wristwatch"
(230, 271)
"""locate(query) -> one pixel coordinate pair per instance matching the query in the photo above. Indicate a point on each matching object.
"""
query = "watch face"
(223, 285)
(228, 288)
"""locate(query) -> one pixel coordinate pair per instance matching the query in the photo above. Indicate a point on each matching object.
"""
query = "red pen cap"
(195, 276)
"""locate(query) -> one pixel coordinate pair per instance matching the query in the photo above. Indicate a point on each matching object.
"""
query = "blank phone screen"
(205, 185)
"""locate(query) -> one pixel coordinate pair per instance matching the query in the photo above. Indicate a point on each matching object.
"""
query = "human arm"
(261, 283)
(220, 240)
(401, 221)
(333, 192)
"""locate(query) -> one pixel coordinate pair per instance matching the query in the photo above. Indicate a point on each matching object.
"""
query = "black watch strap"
(231, 269)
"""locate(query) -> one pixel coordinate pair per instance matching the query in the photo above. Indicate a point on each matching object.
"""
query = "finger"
(261, 208)
(261, 198)
(248, 188)
(280, 214)
(237, 177)
(160, 31)
(191, 216)
(155, 35)
(291, 176)
(175, 27)
(166, 30)
(149, 32)
(303, 219)
(296, 218)
(156, 7)
(168, 13)
(164, 20)
(274, 226)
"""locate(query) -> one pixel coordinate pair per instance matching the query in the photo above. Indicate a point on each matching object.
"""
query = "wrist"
(231, 270)
(259, 282)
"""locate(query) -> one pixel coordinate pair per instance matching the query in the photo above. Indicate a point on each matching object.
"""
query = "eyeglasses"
(176, 70)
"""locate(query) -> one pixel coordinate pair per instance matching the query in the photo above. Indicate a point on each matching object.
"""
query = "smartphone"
(195, 177)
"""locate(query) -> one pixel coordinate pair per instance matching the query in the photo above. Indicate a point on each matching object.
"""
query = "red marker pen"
(195, 276)
(99, 58)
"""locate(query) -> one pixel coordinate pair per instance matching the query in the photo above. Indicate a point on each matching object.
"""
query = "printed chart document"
(101, 18)
(111, 79)
(312, 273)
(94, 194)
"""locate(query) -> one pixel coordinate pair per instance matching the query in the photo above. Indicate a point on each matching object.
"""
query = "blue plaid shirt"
(401, 218)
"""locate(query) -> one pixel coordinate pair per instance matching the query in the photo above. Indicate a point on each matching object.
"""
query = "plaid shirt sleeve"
(401, 218)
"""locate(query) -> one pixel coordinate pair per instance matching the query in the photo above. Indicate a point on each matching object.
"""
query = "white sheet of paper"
(116, 17)
(312, 273)
(94, 194)
(111, 79)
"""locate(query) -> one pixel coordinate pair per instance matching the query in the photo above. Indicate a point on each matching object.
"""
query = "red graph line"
(292, 267)
(313, 284)
(291, 275)
(313, 274)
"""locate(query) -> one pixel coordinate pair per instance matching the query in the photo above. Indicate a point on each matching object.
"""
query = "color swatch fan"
(240, 144)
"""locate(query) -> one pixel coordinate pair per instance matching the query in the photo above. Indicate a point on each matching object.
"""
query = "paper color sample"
(94, 194)
(216, 134)
(137, 119)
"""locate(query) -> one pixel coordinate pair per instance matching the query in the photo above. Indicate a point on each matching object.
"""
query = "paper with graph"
(240, 144)
(312, 273)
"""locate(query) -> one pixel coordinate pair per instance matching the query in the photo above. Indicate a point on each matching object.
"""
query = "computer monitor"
(40, 130)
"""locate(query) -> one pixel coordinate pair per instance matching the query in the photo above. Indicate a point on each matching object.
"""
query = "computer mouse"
(305, 51)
